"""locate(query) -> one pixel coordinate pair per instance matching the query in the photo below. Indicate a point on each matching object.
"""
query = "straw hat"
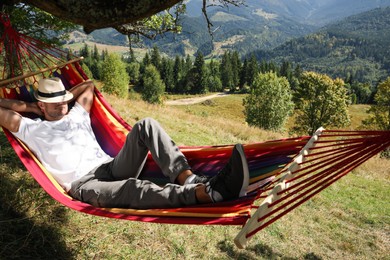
(51, 90)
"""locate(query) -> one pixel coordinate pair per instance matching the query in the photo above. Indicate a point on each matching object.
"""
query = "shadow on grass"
(259, 251)
(30, 220)
(23, 238)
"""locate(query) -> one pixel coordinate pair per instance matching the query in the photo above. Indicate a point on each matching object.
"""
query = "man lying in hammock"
(66, 146)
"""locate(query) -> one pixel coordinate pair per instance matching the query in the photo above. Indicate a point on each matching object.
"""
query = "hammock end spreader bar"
(5, 82)
(253, 224)
(326, 158)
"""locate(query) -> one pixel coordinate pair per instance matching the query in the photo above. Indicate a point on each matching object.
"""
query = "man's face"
(54, 111)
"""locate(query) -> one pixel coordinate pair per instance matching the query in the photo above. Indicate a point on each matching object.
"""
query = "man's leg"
(147, 135)
(102, 190)
(99, 190)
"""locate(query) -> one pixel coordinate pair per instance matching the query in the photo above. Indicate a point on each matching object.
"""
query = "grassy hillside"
(349, 220)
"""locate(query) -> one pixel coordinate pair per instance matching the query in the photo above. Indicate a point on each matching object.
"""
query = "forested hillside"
(357, 48)
(257, 25)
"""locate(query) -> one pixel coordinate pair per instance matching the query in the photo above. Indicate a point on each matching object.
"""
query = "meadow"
(349, 220)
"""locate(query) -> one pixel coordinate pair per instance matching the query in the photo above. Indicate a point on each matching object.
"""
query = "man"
(65, 144)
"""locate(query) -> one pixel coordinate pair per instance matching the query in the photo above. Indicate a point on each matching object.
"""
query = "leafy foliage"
(380, 111)
(320, 101)
(153, 87)
(269, 103)
(114, 76)
(38, 24)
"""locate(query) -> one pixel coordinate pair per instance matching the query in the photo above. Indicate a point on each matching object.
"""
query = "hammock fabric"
(283, 173)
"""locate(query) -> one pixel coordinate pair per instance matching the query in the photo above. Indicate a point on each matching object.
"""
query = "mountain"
(356, 47)
(259, 24)
(316, 12)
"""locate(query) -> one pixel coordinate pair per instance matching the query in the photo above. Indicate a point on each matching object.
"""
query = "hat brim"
(68, 96)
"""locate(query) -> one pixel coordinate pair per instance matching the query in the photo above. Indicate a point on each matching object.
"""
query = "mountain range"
(329, 36)
(257, 25)
(357, 47)
(311, 12)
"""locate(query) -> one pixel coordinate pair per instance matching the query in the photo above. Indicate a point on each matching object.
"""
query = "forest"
(355, 48)
(183, 75)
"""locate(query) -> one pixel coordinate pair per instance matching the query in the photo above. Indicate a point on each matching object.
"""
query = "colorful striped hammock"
(284, 173)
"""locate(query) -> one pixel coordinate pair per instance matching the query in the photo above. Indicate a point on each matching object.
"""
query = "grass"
(349, 220)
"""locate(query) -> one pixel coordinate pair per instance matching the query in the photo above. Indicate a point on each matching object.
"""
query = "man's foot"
(232, 181)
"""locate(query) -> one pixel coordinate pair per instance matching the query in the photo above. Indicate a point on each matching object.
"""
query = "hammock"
(283, 173)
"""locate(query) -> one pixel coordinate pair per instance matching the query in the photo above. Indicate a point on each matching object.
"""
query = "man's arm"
(83, 93)
(9, 112)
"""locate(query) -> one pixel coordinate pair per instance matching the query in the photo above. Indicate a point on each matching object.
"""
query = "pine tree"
(167, 74)
(186, 65)
(252, 70)
(133, 70)
(177, 74)
(132, 57)
(155, 58)
(286, 70)
(213, 80)
(264, 66)
(236, 67)
(213, 67)
(104, 54)
(243, 73)
(145, 62)
(227, 71)
(85, 52)
(200, 74)
(95, 53)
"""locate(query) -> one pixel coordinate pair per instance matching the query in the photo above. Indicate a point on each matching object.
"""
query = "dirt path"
(191, 101)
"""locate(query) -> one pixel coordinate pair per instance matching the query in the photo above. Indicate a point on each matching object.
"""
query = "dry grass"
(349, 220)
(219, 121)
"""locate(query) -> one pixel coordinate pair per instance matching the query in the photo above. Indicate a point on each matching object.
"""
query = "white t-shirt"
(67, 148)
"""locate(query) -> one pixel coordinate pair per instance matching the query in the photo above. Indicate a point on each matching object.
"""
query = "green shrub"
(153, 87)
(269, 103)
(114, 76)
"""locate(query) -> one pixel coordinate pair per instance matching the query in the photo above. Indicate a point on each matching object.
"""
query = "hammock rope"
(25, 57)
(283, 173)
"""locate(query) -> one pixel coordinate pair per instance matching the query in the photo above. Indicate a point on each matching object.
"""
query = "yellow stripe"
(157, 212)
(48, 175)
(109, 116)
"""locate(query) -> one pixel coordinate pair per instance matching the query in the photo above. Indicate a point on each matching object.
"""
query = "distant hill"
(316, 12)
(357, 46)
(261, 25)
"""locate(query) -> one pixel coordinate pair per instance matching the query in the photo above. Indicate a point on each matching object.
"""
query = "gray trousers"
(116, 184)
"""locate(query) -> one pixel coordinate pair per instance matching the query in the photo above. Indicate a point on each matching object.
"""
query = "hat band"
(50, 95)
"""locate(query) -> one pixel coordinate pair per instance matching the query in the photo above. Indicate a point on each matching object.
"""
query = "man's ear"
(41, 105)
